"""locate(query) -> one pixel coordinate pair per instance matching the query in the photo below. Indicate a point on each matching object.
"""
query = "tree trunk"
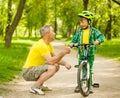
(10, 29)
(115, 33)
(30, 32)
(109, 24)
(85, 3)
(8, 37)
(108, 29)
(55, 23)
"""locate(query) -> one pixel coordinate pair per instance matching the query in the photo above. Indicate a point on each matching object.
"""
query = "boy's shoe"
(45, 88)
(91, 90)
(36, 91)
(77, 89)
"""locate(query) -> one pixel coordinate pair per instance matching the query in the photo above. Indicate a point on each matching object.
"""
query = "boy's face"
(83, 22)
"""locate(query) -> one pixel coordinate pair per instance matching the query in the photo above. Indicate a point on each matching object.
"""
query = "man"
(42, 63)
(87, 34)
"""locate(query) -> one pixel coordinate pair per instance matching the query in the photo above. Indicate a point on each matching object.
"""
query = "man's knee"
(53, 69)
(57, 67)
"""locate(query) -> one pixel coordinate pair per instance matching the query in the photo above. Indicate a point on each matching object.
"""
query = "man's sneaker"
(36, 91)
(77, 89)
(45, 88)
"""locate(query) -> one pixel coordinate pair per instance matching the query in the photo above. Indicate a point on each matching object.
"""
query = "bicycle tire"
(80, 81)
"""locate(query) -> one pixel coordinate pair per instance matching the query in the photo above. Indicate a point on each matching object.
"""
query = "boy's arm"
(75, 38)
(99, 36)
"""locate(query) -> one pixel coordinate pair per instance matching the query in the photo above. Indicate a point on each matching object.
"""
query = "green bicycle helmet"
(86, 14)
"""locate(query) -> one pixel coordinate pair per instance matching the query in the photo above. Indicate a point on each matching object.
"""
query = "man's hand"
(67, 50)
(68, 66)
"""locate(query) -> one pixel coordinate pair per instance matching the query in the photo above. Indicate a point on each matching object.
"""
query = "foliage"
(63, 12)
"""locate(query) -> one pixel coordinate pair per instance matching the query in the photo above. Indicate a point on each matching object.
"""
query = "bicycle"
(83, 74)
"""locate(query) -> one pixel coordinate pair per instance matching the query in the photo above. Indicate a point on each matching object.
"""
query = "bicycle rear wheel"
(82, 79)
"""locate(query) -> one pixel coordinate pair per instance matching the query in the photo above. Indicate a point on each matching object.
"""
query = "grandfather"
(41, 63)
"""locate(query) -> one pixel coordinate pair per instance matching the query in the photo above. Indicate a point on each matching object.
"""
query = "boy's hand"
(71, 45)
(96, 43)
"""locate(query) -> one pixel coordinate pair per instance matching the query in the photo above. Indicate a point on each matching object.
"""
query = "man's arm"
(57, 58)
(62, 62)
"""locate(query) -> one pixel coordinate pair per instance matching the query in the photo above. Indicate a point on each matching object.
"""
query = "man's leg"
(52, 69)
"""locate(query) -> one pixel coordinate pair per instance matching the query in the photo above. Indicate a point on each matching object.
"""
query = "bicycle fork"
(86, 69)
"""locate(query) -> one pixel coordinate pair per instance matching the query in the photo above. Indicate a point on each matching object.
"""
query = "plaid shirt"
(94, 35)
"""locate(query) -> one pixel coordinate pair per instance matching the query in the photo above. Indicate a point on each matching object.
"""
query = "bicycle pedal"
(76, 66)
(96, 85)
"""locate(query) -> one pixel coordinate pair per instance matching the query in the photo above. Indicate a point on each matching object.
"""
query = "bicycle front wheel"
(83, 79)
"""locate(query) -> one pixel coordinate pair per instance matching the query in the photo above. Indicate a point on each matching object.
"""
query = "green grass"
(12, 59)
(110, 49)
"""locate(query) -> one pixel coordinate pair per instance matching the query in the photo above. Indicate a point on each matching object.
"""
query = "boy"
(87, 35)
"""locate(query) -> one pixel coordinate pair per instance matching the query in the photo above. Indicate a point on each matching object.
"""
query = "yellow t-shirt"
(38, 50)
(86, 36)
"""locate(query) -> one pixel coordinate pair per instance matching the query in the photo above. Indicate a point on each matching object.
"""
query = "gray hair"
(44, 30)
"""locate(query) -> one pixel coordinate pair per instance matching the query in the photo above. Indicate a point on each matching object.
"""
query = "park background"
(20, 21)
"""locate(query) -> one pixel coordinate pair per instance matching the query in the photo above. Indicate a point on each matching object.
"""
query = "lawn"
(12, 59)
(110, 49)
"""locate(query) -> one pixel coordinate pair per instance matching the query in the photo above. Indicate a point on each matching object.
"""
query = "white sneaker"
(45, 88)
(36, 90)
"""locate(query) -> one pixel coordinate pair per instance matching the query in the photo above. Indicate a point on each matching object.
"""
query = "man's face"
(83, 22)
(51, 34)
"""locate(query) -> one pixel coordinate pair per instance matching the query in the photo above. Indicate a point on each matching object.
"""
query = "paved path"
(106, 72)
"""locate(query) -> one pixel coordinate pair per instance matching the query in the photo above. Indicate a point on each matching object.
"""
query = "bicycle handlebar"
(77, 45)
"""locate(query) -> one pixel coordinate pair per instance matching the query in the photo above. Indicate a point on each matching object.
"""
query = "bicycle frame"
(81, 70)
(85, 59)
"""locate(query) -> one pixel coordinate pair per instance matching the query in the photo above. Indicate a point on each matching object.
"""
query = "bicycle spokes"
(84, 79)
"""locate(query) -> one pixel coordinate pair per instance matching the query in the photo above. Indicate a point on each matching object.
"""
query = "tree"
(116, 2)
(68, 15)
(11, 27)
(55, 11)
(61, 14)
(2, 17)
(109, 23)
(85, 3)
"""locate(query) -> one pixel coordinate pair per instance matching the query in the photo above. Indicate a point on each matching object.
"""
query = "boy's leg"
(91, 61)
